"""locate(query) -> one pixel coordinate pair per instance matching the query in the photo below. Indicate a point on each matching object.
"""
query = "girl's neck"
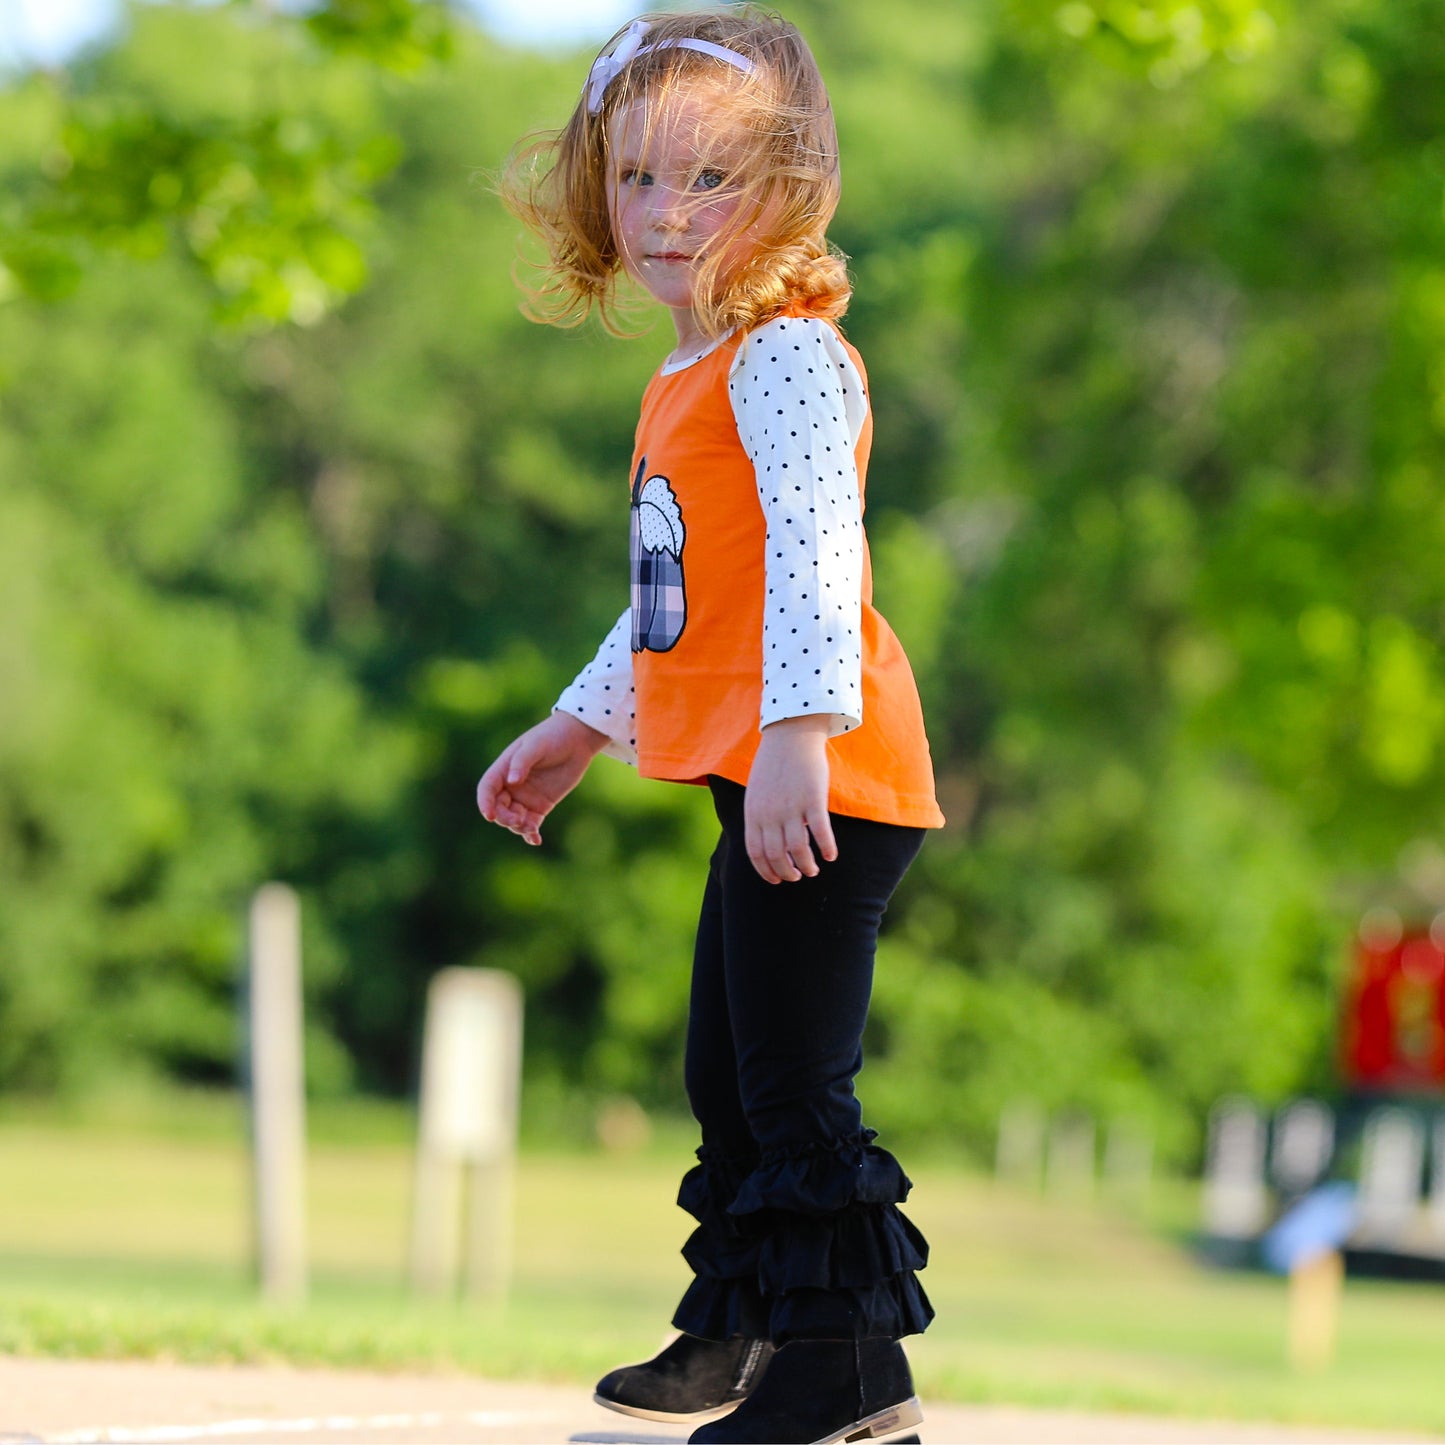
(680, 360)
(681, 356)
(691, 338)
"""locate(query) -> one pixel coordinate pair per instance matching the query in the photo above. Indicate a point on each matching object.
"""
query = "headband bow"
(606, 68)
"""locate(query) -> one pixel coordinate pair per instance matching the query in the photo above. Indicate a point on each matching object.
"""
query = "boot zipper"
(748, 1363)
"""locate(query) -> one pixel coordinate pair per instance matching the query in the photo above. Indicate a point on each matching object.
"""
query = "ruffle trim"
(722, 1247)
(857, 1248)
(724, 1310)
(716, 1309)
(809, 1244)
(892, 1308)
(712, 1184)
(724, 1300)
(822, 1179)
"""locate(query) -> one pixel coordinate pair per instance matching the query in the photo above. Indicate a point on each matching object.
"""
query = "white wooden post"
(470, 1081)
(1069, 1171)
(277, 1091)
(1235, 1201)
(1436, 1213)
(1391, 1165)
(1304, 1139)
(1020, 1151)
(1128, 1164)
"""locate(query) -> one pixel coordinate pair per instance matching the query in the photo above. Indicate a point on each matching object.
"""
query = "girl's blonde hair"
(779, 118)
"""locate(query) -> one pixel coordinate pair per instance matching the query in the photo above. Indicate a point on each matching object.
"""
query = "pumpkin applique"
(659, 596)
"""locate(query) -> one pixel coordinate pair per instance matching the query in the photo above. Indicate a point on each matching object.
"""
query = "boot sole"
(664, 1417)
(874, 1427)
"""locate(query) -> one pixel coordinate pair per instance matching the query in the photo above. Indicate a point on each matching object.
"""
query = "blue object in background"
(1319, 1223)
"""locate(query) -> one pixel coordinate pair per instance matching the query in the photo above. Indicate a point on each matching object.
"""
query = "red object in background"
(1394, 1026)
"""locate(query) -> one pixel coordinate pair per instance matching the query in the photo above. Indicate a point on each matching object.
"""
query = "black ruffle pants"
(799, 1233)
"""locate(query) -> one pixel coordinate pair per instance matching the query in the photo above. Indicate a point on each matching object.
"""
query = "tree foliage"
(267, 194)
(1153, 307)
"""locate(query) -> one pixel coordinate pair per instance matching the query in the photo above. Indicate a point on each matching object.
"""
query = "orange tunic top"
(699, 539)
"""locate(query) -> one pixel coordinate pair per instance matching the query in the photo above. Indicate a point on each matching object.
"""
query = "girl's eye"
(709, 180)
(635, 178)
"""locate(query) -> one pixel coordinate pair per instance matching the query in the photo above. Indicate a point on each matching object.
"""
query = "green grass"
(120, 1237)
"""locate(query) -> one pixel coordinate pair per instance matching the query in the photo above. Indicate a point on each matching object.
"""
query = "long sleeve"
(602, 694)
(800, 405)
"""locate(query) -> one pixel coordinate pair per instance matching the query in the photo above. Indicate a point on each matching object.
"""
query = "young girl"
(702, 161)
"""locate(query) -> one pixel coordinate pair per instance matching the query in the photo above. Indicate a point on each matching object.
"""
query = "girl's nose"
(671, 210)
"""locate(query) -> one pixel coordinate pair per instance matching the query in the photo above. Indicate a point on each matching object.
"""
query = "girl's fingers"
(821, 827)
(492, 789)
(487, 793)
(500, 807)
(528, 827)
(788, 853)
(799, 849)
(519, 766)
(780, 855)
(758, 853)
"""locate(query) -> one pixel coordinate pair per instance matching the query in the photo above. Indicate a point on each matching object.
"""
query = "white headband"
(606, 68)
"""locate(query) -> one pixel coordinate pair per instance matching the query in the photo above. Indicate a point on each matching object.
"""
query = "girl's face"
(671, 194)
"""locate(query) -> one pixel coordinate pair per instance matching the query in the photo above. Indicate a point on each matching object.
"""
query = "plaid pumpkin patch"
(659, 594)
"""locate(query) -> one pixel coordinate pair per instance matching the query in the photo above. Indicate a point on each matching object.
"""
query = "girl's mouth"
(669, 256)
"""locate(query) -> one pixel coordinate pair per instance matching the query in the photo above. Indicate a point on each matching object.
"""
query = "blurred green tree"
(267, 198)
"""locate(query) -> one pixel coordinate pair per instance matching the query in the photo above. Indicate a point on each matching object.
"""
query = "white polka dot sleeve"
(800, 405)
(603, 696)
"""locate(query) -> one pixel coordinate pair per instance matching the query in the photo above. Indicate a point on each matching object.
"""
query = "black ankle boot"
(691, 1379)
(817, 1392)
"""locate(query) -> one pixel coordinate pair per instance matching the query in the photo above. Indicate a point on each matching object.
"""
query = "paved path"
(60, 1402)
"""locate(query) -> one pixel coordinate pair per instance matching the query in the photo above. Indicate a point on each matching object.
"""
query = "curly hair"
(783, 149)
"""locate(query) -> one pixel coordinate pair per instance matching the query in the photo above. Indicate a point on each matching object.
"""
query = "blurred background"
(301, 521)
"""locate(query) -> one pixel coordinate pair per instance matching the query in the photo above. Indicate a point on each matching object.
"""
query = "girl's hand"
(787, 800)
(534, 773)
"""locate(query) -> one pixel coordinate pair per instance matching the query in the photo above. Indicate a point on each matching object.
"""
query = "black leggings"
(799, 1235)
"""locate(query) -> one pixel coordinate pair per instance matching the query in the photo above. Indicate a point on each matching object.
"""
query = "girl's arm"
(535, 772)
(596, 713)
(800, 406)
(786, 803)
(602, 694)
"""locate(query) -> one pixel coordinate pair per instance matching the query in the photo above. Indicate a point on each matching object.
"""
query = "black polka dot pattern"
(603, 696)
(799, 370)
(800, 406)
